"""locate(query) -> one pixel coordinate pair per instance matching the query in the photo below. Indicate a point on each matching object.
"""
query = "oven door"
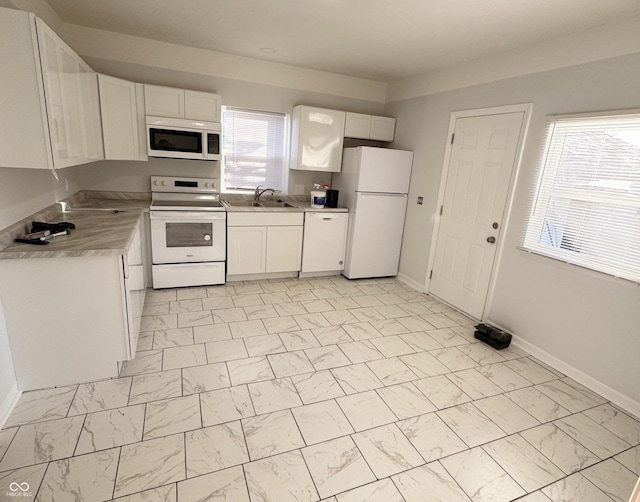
(176, 143)
(188, 236)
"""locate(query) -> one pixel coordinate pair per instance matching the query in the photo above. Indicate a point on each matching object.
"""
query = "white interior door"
(482, 159)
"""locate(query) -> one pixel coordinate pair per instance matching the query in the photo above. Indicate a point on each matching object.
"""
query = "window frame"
(285, 155)
(543, 190)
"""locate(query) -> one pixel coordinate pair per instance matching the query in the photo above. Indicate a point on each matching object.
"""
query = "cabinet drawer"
(249, 219)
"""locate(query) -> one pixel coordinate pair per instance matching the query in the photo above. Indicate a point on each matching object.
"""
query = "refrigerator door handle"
(388, 194)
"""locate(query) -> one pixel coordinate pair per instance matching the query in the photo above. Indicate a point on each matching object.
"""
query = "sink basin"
(242, 203)
(263, 203)
(271, 203)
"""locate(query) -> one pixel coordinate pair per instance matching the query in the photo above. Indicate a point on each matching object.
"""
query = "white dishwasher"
(324, 243)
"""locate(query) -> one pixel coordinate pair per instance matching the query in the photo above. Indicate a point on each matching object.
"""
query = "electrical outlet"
(298, 190)
(420, 200)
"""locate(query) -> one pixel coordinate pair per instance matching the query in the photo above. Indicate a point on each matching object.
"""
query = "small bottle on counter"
(318, 196)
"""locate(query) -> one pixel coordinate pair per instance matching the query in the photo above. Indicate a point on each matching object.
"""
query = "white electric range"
(188, 232)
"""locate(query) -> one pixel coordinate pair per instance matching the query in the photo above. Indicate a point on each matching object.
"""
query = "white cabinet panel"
(325, 240)
(264, 242)
(120, 128)
(317, 135)
(182, 104)
(246, 250)
(284, 249)
(202, 106)
(382, 128)
(357, 125)
(71, 94)
(361, 126)
(162, 101)
(24, 134)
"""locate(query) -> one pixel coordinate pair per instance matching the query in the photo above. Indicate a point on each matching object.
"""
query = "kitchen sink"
(242, 203)
(257, 205)
(272, 203)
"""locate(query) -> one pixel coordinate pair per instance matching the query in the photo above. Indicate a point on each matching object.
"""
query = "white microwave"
(183, 139)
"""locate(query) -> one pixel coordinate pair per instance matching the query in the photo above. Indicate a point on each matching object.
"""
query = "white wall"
(585, 321)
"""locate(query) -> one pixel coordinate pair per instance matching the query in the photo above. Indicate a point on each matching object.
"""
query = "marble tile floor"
(319, 389)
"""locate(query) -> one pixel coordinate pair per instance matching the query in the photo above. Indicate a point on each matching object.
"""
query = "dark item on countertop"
(38, 242)
(494, 337)
(331, 198)
(38, 226)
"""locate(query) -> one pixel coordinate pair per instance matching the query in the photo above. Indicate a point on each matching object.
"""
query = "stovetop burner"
(185, 194)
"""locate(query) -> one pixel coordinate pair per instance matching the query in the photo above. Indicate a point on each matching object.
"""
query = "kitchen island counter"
(103, 227)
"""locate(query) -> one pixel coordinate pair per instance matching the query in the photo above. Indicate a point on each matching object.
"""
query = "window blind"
(254, 146)
(586, 206)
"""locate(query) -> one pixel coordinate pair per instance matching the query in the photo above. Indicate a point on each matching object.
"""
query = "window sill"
(542, 254)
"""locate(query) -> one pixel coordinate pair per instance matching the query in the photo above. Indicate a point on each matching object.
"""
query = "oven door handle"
(187, 216)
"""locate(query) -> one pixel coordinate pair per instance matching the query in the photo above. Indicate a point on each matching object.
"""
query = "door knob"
(491, 239)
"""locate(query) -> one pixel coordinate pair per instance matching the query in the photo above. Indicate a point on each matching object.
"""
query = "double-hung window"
(586, 208)
(254, 148)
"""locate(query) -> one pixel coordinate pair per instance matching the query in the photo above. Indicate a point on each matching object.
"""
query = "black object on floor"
(494, 337)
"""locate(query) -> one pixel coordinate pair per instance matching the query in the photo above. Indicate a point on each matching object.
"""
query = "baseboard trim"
(410, 282)
(8, 403)
(625, 402)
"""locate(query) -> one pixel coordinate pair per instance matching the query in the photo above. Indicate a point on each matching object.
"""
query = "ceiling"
(382, 40)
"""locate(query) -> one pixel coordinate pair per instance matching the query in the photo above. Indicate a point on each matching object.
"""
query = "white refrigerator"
(374, 184)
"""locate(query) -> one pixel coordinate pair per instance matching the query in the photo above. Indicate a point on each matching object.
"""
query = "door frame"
(478, 112)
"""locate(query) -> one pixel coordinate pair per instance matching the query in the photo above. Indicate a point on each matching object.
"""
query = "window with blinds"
(586, 209)
(254, 147)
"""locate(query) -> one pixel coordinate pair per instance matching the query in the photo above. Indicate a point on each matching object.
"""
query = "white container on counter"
(318, 197)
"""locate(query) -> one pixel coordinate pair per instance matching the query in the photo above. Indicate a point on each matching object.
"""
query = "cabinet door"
(246, 250)
(382, 128)
(135, 290)
(316, 139)
(24, 131)
(357, 125)
(71, 95)
(202, 106)
(91, 121)
(284, 249)
(119, 118)
(164, 101)
(58, 120)
(325, 239)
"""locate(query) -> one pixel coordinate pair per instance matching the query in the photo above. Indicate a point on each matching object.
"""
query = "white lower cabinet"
(81, 319)
(246, 250)
(263, 243)
(325, 239)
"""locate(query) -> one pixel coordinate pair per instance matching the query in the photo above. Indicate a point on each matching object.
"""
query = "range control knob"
(156, 182)
(164, 183)
(206, 185)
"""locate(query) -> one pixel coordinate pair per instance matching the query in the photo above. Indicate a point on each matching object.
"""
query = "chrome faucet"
(258, 193)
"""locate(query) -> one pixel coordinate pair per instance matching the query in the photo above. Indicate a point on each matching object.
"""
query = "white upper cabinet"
(48, 97)
(202, 106)
(361, 126)
(382, 128)
(71, 95)
(317, 135)
(164, 101)
(122, 119)
(181, 104)
(357, 125)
